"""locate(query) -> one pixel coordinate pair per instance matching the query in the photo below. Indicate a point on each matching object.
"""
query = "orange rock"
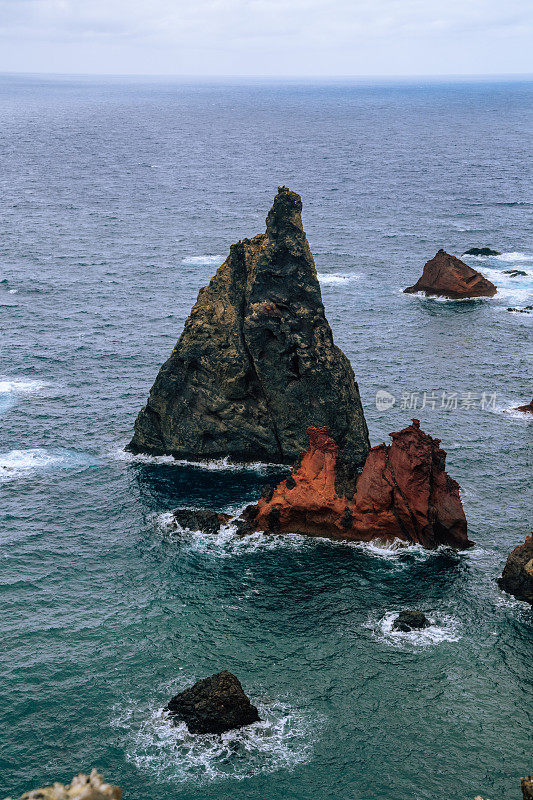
(402, 492)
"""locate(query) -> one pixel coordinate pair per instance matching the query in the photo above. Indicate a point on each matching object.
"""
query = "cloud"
(258, 36)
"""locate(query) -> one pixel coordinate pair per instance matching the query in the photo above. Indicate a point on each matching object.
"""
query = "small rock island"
(256, 363)
(213, 705)
(448, 276)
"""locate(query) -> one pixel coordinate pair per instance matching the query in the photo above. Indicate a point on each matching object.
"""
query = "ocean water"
(119, 199)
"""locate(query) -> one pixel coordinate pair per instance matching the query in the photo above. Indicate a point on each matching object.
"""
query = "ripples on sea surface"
(119, 200)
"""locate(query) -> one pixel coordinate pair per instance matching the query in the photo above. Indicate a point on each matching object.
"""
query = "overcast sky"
(267, 37)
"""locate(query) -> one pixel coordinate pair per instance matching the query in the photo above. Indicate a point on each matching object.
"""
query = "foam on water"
(20, 386)
(334, 278)
(228, 542)
(282, 739)
(195, 260)
(12, 388)
(216, 464)
(17, 463)
(442, 628)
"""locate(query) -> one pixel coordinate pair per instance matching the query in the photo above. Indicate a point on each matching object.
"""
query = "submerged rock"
(527, 409)
(83, 787)
(256, 362)
(514, 273)
(517, 576)
(213, 705)
(525, 310)
(410, 620)
(402, 492)
(199, 519)
(448, 276)
(481, 251)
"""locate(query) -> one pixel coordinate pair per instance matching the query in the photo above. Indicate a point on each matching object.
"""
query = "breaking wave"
(216, 464)
(331, 279)
(282, 739)
(19, 463)
(442, 628)
(193, 260)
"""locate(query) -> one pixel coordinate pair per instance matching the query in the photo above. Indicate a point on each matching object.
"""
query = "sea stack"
(448, 276)
(213, 705)
(517, 576)
(402, 493)
(256, 363)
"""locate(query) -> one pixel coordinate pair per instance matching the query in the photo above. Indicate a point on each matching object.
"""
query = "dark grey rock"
(410, 620)
(481, 251)
(256, 364)
(213, 705)
(199, 519)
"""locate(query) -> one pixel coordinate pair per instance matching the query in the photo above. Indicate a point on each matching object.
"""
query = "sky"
(274, 38)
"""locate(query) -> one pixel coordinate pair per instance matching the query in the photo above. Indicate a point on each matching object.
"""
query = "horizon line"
(478, 77)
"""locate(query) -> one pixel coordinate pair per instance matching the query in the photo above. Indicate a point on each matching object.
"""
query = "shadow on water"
(166, 486)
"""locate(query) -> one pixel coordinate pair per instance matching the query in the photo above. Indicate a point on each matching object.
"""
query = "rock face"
(403, 492)
(83, 787)
(410, 620)
(517, 576)
(448, 276)
(199, 519)
(528, 409)
(481, 251)
(256, 362)
(213, 705)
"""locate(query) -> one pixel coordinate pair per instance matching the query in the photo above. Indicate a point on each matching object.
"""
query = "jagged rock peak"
(403, 492)
(256, 363)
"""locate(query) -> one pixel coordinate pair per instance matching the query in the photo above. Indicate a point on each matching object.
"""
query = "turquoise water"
(119, 201)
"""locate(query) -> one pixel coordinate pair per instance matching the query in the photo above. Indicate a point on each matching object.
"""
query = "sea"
(119, 199)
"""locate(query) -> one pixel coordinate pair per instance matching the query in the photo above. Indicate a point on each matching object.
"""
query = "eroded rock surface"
(83, 787)
(517, 576)
(448, 276)
(402, 492)
(526, 784)
(213, 705)
(256, 363)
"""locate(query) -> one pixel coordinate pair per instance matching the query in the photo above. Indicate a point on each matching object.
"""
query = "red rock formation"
(403, 492)
(526, 409)
(448, 276)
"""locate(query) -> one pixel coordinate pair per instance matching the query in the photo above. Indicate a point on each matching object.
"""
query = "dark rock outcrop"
(402, 492)
(213, 705)
(481, 251)
(256, 362)
(410, 620)
(526, 784)
(448, 276)
(514, 273)
(527, 409)
(524, 310)
(517, 575)
(83, 787)
(199, 519)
